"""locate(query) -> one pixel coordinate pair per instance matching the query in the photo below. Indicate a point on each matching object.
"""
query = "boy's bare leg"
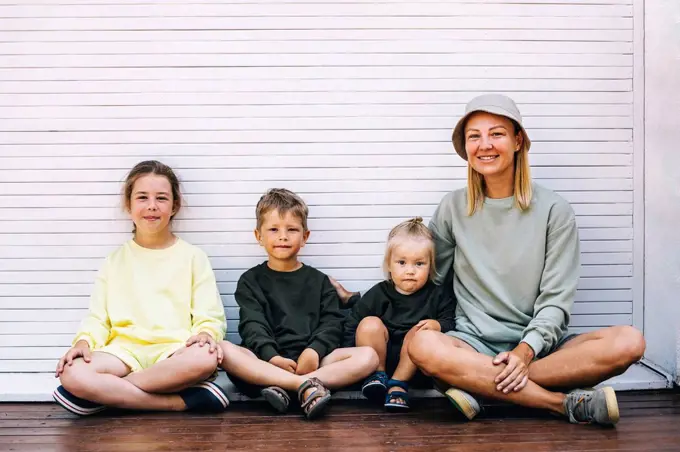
(345, 366)
(186, 367)
(247, 366)
(589, 358)
(102, 381)
(443, 357)
(371, 332)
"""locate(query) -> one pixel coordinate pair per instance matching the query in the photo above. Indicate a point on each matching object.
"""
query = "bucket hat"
(497, 104)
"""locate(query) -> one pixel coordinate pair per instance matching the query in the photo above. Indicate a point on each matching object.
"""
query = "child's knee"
(421, 347)
(202, 360)
(77, 378)
(368, 357)
(371, 326)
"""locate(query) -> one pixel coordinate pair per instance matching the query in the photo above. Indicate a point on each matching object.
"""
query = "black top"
(282, 313)
(399, 312)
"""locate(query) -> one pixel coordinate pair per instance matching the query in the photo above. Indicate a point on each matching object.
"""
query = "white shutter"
(348, 102)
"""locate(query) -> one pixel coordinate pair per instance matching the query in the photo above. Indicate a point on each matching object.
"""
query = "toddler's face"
(151, 204)
(409, 265)
(282, 236)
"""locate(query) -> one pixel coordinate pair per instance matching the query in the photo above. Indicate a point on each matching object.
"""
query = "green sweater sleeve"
(558, 282)
(442, 232)
(253, 326)
(328, 334)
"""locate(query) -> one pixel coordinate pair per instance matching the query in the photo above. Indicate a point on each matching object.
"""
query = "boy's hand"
(308, 362)
(343, 293)
(429, 324)
(82, 348)
(284, 363)
(204, 338)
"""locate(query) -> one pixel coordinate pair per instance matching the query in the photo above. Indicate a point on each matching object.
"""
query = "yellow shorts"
(140, 356)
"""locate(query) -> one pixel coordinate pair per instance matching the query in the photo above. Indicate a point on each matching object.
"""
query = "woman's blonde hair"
(522, 187)
(409, 229)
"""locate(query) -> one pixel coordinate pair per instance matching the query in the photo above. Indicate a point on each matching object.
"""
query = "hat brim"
(458, 136)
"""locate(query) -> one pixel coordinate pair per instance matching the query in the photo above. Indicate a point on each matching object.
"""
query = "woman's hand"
(204, 338)
(515, 376)
(81, 349)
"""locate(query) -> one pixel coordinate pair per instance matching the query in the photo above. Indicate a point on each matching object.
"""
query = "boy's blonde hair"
(283, 201)
(409, 229)
(522, 187)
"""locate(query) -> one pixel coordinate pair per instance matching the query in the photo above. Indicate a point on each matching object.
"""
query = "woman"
(514, 250)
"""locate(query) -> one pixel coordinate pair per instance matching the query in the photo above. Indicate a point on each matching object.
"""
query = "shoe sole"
(276, 400)
(612, 404)
(460, 401)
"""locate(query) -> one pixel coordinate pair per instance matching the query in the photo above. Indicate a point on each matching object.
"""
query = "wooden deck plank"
(648, 420)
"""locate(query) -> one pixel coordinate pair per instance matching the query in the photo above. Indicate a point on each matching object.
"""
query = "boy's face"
(282, 236)
(409, 265)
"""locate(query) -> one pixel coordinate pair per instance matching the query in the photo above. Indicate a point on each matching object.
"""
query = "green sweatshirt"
(282, 313)
(515, 273)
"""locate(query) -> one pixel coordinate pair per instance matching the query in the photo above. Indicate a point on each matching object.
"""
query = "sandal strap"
(397, 383)
(379, 376)
(280, 391)
(396, 395)
(320, 391)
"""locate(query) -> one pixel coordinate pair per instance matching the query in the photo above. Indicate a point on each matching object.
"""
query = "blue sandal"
(397, 400)
(375, 386)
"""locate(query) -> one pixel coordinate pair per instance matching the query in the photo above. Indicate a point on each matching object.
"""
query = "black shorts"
(419, 380)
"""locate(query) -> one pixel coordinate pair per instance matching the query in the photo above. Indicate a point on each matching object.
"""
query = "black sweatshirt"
(283, 313)
(399, 312)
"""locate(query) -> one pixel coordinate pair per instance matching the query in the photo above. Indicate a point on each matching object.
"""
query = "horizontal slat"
(309, 46)
(359, 123)
(587, 272)
(448, 98)
(253, 249)
(240, 262)
(312, 23)
(171, 152)
(198, 2)
(317, 72)
(292, 10)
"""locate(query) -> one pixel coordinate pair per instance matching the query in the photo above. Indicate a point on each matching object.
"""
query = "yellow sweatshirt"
(151, 296)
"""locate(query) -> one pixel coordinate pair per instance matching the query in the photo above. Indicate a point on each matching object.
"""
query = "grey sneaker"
(587, 407)
(464, 401)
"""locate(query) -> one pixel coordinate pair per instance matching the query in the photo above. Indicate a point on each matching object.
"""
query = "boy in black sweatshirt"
(290, 321)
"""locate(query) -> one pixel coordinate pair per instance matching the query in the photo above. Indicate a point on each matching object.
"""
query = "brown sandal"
(322, 395)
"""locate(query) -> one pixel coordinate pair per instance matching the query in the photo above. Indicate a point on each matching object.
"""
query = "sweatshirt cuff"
(267, 352)
(84, 337)
(318, 347)
(534, 340)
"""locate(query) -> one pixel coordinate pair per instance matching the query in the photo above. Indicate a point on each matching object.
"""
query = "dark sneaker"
(74, 404)
(206, 397)
(598, 406)
(465, 402)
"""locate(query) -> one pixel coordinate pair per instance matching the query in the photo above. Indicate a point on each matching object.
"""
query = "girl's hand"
(307, 362)
(204, 338)
(516, 373)
(81, 349)
(284, 363)
(429, 324)
(343, 293)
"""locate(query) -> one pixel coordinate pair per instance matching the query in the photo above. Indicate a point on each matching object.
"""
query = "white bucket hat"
(496, 104)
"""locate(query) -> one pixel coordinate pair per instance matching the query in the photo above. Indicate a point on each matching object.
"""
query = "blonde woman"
(513, 247)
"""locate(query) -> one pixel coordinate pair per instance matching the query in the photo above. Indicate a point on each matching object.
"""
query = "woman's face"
(491, 143)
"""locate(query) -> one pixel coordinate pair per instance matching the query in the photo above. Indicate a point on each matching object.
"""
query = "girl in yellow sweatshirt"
(150, 338)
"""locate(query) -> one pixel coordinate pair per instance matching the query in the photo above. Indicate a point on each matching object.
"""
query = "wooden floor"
(649, 421)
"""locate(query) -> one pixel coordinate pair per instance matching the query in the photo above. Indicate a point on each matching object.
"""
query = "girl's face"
(491, 143)
(151, 204)
(409, 265)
